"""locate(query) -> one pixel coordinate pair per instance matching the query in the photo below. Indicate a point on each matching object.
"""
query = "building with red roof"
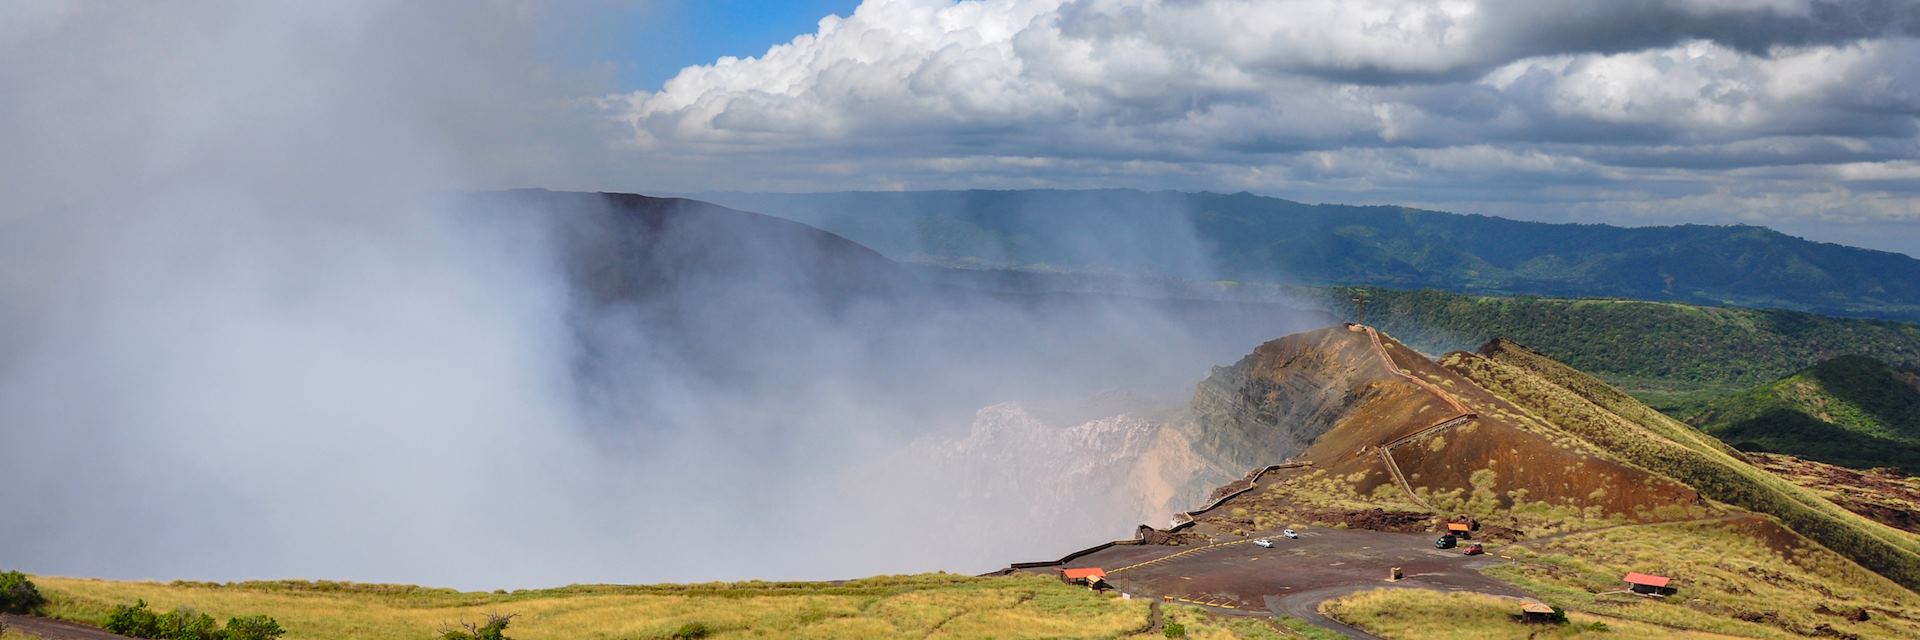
(1649, 584)
(1090, 576)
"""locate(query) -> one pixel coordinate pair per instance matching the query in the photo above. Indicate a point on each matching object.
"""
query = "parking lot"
(1234, 576)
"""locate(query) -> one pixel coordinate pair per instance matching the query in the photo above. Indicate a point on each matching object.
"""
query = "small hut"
(1536, 612)
(1092, 577)
(1647, 584)
(1461, 530)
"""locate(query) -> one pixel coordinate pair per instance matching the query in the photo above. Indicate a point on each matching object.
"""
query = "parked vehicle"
(1291, 534)
(1474, 550)
(1446, 542)
(1264, 542)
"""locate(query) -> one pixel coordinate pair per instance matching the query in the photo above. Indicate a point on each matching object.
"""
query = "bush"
(1174, 630)
(253, 628)
(494, 629)
(18, 595)
(138, 621)
(187, 624)
(692, 630)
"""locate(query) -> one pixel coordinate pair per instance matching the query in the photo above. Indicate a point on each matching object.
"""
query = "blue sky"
(649, 42)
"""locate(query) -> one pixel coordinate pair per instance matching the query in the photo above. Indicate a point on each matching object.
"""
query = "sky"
(1795, 114)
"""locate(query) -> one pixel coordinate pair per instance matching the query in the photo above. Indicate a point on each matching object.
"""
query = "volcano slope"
(1389, 428)
(1573, 480)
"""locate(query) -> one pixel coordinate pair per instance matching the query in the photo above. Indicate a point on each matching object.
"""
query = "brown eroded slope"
(1386, 427)
(1882, 495)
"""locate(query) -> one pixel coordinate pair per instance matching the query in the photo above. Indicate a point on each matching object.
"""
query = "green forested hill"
(1852, 411)
(1643, 346)
(1253, 238)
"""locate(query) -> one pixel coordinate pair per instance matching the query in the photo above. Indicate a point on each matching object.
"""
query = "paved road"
(50, 629)
(1306, 606)
(1294, 576)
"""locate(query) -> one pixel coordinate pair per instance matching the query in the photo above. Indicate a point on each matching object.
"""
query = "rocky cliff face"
(1108, 473)
(1112, 466)
(1272, 404)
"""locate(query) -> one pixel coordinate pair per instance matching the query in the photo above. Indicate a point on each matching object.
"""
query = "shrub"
(187, 624)
(253, 628)
(1174, 630)
(692, 630)
(18, 595)
(494, 629)
(138, 621)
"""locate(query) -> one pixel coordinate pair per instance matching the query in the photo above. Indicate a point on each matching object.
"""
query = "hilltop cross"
(1360, 303)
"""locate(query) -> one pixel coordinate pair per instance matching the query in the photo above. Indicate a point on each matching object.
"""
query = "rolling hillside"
(1568, 481)
(1852, 411)
(1578, 482)
(1652, 347)
(1247, 237)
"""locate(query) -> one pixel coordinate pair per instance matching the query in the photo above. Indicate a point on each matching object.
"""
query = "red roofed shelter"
(1649, 584)
(1090, 576)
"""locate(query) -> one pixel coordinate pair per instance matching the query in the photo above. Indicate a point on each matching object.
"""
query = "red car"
(1474, 550)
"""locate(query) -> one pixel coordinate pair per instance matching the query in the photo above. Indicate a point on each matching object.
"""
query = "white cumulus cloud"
(1400, 96)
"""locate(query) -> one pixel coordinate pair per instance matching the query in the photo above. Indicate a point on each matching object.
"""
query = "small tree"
(494, 629)
(186, 624)
(18, 595)
(136, 621)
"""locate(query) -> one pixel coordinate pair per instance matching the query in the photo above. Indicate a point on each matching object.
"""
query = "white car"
(1264, 542)
(1291, 534)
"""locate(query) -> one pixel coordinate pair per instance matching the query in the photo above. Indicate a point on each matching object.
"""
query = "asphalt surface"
(1236, 577)
(50, 629)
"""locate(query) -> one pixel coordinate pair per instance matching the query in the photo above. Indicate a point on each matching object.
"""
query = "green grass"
(1672, 355)
(1636, 433)
(1745, 578)
(887, 607)
(1420, 614)
(1851, 411)
(1201, 625)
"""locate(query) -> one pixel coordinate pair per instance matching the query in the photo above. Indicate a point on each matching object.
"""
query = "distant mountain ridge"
(1256, 238)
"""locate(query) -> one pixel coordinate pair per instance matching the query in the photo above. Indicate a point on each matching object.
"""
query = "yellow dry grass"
(1433, 615)
(900, 607)
(1730, 580)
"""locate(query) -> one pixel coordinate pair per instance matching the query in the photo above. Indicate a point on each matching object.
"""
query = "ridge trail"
(1461, 414)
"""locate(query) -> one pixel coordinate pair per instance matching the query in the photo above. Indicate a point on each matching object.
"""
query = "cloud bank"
(1796, 113)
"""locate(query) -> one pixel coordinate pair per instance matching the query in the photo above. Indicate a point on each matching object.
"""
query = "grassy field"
(1746, 577)
(1419, 614)
(923, 606)
(1592, 410)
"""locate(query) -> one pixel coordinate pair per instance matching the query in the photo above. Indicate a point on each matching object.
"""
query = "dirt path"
(51, 629)
(1380, 349)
